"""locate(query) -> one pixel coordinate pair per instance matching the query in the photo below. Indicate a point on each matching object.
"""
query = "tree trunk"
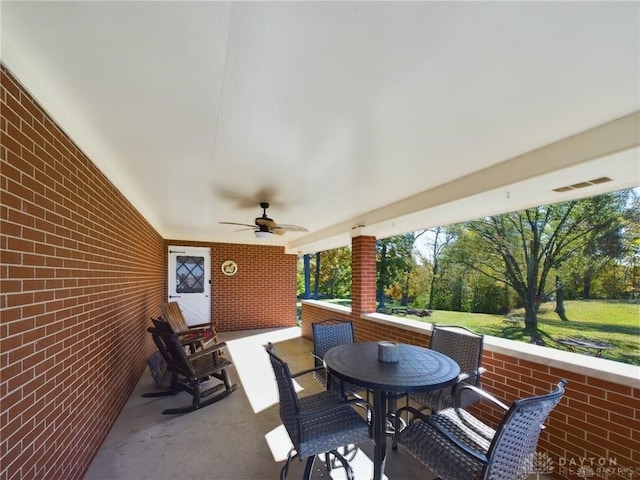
(456, 304)
(432, 290)
(507, 306)
(586, 285)
(405, 291)
(530, 310)
(560, 310)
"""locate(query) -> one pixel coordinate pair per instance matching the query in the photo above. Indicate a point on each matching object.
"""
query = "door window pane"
(189, 274)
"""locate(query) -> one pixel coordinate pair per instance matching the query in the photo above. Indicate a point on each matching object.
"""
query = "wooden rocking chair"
(195, 336)
(189, 372)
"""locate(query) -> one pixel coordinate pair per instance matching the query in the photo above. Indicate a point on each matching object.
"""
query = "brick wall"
(263, 292)
(81, 273)
(363, 274)
(597, 420)
(364, 330)
(315, 315)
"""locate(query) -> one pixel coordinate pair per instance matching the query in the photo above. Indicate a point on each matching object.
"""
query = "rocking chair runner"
(189, 372)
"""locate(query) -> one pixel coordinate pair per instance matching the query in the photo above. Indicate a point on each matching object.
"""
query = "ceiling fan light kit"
(261, 234)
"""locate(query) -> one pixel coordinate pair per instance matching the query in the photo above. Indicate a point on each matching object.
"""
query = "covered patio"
(239, 438)
(126, 128)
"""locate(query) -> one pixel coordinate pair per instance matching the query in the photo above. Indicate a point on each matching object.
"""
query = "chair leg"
(308, 467)
(345, 464)
(284, 471)
(349, 452)
(285, 468)
(196, 393)
(328, 462)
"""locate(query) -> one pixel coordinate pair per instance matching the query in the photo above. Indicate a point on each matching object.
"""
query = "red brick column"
(363, 275)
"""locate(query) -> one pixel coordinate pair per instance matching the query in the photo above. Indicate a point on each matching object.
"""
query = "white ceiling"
(371, 118)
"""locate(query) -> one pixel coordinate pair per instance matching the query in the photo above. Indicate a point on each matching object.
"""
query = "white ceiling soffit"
(391, 115)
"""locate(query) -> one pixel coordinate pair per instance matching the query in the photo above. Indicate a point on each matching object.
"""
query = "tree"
(395, 263)
(331, 271)
(442, 237)
(601, 248)
(522, 248)
(335, 274)
(631, 241)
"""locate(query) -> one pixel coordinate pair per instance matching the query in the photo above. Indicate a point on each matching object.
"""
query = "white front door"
(190, 282)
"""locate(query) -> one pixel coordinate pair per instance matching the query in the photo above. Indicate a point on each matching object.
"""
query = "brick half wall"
(597, 423)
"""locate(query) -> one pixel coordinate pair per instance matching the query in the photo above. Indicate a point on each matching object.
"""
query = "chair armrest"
(208, 350)
(308, 370)
(415, 413)
(191, 332)
(472, 375)
(459, 388)
(458, 444)
(209, 326)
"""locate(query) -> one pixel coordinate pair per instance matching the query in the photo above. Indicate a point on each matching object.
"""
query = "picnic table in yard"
(410, 311)
(597, 348)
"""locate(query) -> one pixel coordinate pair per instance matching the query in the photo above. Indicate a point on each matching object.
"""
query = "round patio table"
(417, 369)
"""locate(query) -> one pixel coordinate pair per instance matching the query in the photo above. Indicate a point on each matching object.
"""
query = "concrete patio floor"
(238, 438)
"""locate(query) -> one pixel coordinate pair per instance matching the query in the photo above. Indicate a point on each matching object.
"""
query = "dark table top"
(418, 368)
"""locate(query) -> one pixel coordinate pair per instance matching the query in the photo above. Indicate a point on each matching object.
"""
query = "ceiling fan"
(265, 227)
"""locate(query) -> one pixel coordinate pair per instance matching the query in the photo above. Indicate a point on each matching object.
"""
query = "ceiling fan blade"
(236, 223)
(266, 224)
(292, 228)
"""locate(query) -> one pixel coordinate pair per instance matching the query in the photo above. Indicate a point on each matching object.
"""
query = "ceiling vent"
(589, 183)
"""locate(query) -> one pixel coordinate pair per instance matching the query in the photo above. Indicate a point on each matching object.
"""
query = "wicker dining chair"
(317, 424)
(455, 445)
(465, 347)
(326, 335)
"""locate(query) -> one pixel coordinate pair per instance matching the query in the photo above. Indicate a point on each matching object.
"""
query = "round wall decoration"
(229, 267)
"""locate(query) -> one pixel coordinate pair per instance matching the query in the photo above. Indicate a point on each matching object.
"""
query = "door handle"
(174, 296)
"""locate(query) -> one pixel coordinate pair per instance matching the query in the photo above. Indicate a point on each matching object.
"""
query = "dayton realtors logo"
(580, 467)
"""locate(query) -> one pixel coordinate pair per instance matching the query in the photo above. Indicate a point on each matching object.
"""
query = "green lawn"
(616, 323)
